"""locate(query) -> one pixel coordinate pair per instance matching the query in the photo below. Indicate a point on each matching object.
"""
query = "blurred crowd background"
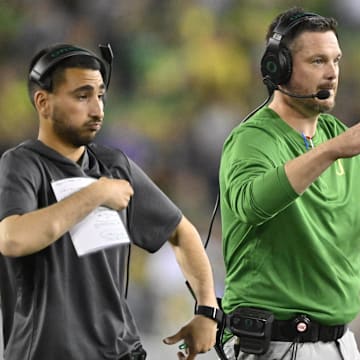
(185, 73)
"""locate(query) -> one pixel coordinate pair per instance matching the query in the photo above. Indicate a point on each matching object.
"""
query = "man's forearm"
(305, 169)
(194, 263)
(25, 234)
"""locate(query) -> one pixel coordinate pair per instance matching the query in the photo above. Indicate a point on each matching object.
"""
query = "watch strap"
(210, 312)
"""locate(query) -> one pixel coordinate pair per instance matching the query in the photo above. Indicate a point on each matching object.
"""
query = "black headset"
(50, 59)
(276, 63)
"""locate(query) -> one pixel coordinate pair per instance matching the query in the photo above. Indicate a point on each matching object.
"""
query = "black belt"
(305, 331)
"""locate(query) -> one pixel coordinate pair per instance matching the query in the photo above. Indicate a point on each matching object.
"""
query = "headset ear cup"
(277, 66)
(270, 67)
(285, 65)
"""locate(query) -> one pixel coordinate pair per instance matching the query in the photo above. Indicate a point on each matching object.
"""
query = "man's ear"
(41, 101)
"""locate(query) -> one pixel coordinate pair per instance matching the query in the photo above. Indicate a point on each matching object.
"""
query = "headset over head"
(51, 58)
(276, 63)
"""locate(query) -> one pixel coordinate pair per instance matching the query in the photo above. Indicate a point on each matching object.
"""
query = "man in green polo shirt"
(290, 205)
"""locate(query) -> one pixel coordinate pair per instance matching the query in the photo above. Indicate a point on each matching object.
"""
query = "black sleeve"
(153, 217)
(19, 181)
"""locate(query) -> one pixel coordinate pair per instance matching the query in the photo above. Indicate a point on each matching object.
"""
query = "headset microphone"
(271, 86)
(321, 95)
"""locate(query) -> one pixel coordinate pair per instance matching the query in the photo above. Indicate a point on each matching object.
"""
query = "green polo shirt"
(283, 252)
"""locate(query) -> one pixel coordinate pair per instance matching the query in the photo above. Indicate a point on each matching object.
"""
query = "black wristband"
(210, 312)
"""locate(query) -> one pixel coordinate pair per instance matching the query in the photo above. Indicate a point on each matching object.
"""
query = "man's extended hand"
(199, 335)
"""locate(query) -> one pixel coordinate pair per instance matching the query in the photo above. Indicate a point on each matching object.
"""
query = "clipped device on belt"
(252, 327)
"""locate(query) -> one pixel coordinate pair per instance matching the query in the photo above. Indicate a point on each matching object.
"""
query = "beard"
(311, 106)
(319, 106)
(69, 134)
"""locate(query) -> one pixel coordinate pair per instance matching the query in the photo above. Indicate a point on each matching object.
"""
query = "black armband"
(210, 312)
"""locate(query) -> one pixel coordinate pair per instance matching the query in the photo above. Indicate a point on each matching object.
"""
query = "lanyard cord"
(217, 202)
(307, 141)
(293, 348)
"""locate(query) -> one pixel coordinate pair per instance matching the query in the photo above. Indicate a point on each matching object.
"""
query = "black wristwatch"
(210, 312)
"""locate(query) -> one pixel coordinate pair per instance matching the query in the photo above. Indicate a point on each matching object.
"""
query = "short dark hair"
(55, 75)
(316, 24)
